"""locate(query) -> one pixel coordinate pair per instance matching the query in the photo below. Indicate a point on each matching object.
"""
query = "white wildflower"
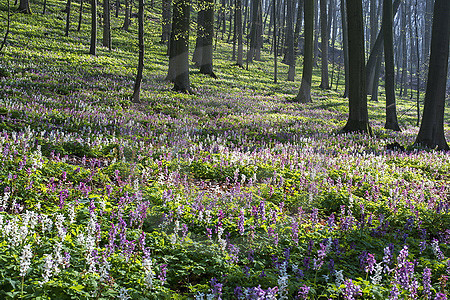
(25, 260)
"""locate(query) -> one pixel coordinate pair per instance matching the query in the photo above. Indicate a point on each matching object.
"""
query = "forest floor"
(234, 192)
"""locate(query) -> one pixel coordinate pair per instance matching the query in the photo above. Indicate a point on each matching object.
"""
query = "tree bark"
(126, 21)
(68, 6)
(431, 133)
(180, 45)
(275, 46)
(304, 94)
(92, 49)
(298, 25)
(358, 119)
(140, 68)
(345, 45)
(206, 65)
(290, 54)
(24, 7)
(106, 25)
(377, 51)
(391, 111)
(80, 16)
(240, 43)
(324, 44)
(165, 21)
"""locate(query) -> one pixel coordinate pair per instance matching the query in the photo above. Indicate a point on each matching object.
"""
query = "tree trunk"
(316, 33)
(117, 8)
(377, 51)
(275, 50)
(404, 51)
(106, 25)
(304, 94)
(431, 133)
(68, 5)
(427, 28)
(290, 40)
(324, 44)
(206, 65)
(24, 7)
(298, 25)
(391, 111)
(198, 51)
(126, 22)
(240, 42)
(92, 49)
(373, 22)
(137, 84)
(165, 21)
(358, 119)
(345, 45)
(80, 16)
(180, 45)
(8, 25)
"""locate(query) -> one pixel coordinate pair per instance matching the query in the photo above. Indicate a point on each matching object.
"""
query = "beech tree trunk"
(240, 42)
(358, 119)
(431, 133)
(24, 7)
(179, 47)
(80, 16)
(165, 21)
(68, 6)
(290, 54)
(126, 21)
(206, 64)
(92, 49)
(106, 25)
(345, 45)
(304, 94)
(324, 44)
(391, 111)
(137, 84)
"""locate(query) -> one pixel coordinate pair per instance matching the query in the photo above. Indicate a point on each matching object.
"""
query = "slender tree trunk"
(80, 16)
(431, 132)
(373, 22)
(24, 7)
(324, 44)
(316, 33)
(180, 46)
(298, 26)
(418, 65)
(404, 51)
(92, 49)
(106, 25)
(198, 51)
(117, 8)
(275, 52)
(126, 22)
(427, 28)
(290, 53)
(376, 52)
(304, 94)
(165, 22)
(391, 111)
(68, 5)
(44, 8)
(345, 45)
(358, 119)
(206, 65)
(240, 42)
(137, 84)
(8, 25)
